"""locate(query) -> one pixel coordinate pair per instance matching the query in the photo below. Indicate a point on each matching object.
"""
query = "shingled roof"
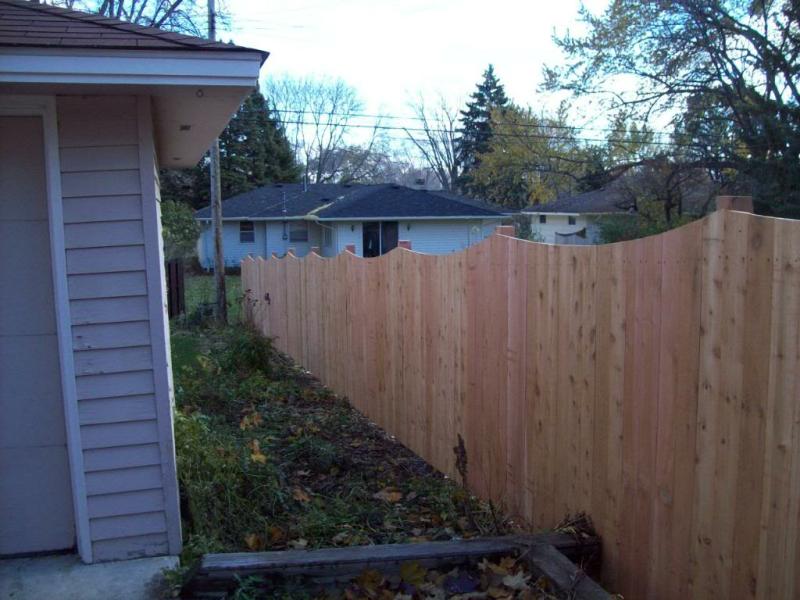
(30, 24)
(602, 201)
(349, 202)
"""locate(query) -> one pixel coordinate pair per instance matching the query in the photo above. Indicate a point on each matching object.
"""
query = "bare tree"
(437, 143)
(320, 117)
(185, 16)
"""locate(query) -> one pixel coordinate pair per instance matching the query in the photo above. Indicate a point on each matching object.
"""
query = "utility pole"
(216, 200)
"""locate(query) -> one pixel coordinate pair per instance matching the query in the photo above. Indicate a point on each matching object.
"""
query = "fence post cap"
(740, 203)
(508, 230)
(315, 250)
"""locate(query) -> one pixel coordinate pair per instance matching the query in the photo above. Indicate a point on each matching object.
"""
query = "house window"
(572, 220)
(247, 232)
(298, 231)
(542, 219)
(327, 236)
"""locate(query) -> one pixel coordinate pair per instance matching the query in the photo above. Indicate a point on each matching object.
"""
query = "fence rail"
(652, 384)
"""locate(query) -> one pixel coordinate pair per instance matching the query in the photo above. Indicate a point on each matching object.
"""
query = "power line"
(378, 127)
(418, 118)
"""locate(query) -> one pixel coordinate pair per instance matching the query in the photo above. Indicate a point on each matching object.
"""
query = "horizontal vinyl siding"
(268, 239)
(343, 236)
(110, 335)
(126, 503)
(117, 410)
(110, 316)
(560, 224)
(121, 457)
(438, 237)
(131, 547)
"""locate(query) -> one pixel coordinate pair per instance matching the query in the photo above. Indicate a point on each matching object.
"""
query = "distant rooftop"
(337, 202)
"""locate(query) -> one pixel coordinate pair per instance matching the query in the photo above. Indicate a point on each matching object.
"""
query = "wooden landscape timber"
(548, 554)
(653, 384)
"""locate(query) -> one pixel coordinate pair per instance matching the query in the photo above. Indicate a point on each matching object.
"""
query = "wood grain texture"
(653, 384)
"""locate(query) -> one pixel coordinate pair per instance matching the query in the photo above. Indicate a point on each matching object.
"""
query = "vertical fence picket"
(652, 383)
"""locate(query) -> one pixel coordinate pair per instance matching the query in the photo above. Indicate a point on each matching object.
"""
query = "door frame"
(45, 107)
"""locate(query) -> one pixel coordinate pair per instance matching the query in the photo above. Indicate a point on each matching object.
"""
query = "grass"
(270, 459)
(200, 291)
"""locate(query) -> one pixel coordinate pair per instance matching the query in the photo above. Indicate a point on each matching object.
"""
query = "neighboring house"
(369, 220)
(574, 219)
(90, 108)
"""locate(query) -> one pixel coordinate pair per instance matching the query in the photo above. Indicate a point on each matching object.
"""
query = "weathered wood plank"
(217, 571)
(566, 575)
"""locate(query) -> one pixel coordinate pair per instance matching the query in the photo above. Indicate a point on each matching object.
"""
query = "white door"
(36, 512)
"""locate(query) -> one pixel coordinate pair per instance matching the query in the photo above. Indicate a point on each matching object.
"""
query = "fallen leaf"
(516, 582)
(300, 495)
(370, 580)
(463, 583)
(341, 538)
(389, 495)
(498, 593)
(255, 452)
(413, 573)
(254, 541)
(250, 421)
(276, 534)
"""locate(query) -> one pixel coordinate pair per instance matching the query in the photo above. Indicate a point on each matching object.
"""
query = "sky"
(392, 50)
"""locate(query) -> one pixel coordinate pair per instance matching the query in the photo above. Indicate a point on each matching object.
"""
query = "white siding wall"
(121, 368)
(560, 224)
(268, 239)
(437, 237)
(431, 237)
(344, 236)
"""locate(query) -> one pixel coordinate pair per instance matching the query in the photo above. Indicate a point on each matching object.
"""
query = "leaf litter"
(269, 459)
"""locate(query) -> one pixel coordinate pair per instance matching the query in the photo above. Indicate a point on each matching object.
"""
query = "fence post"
(740, 203)
(404, 244)
(508, 230)
(315, 250)
(351, 248)
(176, 300)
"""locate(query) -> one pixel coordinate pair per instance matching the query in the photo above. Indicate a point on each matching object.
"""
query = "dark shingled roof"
(603, 201)
(348, 202)
(29, 24)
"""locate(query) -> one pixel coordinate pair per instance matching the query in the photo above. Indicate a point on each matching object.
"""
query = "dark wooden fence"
(176, 297)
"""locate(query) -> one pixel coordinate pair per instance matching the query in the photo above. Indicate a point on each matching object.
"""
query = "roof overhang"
(414, 218)
(357, 219)
(194, 92)
(573, 214)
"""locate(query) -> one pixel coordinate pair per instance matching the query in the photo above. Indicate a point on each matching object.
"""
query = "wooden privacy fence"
(652, 384)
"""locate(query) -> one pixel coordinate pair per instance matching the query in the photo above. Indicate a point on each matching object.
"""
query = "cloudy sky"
(391, 50)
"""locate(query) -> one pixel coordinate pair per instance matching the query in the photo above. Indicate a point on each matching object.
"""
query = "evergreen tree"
(253, 151)
(476, 127)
